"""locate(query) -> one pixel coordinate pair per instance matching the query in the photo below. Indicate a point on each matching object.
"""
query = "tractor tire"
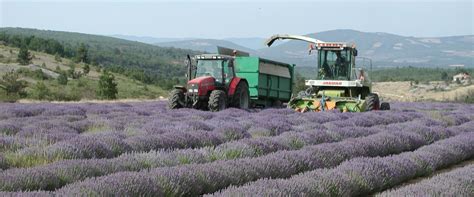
(241, 97)
(277, 104)
(176, 99)
(385, 106)
(372, 102)
(217, 101)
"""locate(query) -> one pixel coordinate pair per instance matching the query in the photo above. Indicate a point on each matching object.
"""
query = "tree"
(62, 78)
(444, 76)
(12, 85)
(24, 56)
(107, 86)
(86, 69)
(81, 55)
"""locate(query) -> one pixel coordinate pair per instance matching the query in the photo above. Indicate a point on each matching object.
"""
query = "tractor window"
(334, 64)
(212, 68)
(228, 71)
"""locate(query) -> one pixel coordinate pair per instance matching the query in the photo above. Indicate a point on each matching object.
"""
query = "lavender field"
(144, 149)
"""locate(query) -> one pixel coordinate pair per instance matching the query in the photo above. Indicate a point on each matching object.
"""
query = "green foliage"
(399, 73)
(43, 65)
(86, 69)
(40, 92)
(24, 56)
(12, 85)
(299, 84)
(82, 54)
(415, 74)
(62, 78)
(107, 86)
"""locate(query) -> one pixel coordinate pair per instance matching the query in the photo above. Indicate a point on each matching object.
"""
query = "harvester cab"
(339, 84)
(212, 83)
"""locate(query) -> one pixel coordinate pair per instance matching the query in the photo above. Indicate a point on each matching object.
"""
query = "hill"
(386, 50)
(127, 57)
(41, 78)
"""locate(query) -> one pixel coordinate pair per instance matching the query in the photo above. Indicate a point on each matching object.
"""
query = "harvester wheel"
(385, 106)
(241, 98)
(372, 102)
(176, 99)
(217, 100)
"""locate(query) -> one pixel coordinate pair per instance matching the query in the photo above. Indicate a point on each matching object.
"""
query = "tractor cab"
(336, 61)
(218, 67)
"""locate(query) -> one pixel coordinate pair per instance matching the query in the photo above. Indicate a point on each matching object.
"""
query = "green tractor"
(339, 84)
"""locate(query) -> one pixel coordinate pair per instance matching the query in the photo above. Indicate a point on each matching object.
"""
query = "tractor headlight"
(192, 88)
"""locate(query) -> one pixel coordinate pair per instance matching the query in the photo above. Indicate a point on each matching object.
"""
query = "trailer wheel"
(241, 97)
(217, 101)
(176, 99)
(385, 106)
(372, 102)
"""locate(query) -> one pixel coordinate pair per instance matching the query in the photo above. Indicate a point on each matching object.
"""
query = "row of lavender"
(67, 138)
(364, 176)
(293, 131)
(458, 182)
(57, 174)
(198, 179)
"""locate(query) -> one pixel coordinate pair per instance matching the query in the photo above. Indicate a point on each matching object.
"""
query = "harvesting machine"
(232, 78)
(339, 84)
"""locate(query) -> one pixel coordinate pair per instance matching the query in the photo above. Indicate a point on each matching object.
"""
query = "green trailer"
(232, 78)
(270, 82)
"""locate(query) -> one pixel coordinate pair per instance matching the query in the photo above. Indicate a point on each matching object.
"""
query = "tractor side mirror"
(355, 52)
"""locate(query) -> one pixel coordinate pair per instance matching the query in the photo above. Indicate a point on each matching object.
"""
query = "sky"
(244, 18)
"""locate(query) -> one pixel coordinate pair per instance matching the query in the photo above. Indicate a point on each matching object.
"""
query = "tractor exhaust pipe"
(190, 66)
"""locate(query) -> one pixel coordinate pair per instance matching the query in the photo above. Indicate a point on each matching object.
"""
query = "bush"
(12, 85)
(62, 78)
(41, 92)
(86, 69)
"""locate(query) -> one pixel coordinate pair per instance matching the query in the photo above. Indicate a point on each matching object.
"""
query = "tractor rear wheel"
(176, 99)
(372, 102)
(241, 98)
(385, 106)
(217, 100)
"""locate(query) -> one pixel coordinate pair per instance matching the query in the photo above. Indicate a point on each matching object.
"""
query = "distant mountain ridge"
(385, 49)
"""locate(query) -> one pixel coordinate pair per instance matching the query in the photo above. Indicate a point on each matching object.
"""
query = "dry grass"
(402, 91)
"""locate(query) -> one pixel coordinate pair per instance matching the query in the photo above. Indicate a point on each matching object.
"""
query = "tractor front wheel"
(372, 102)
(176, 99)
(217, 100)
(241, 98)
